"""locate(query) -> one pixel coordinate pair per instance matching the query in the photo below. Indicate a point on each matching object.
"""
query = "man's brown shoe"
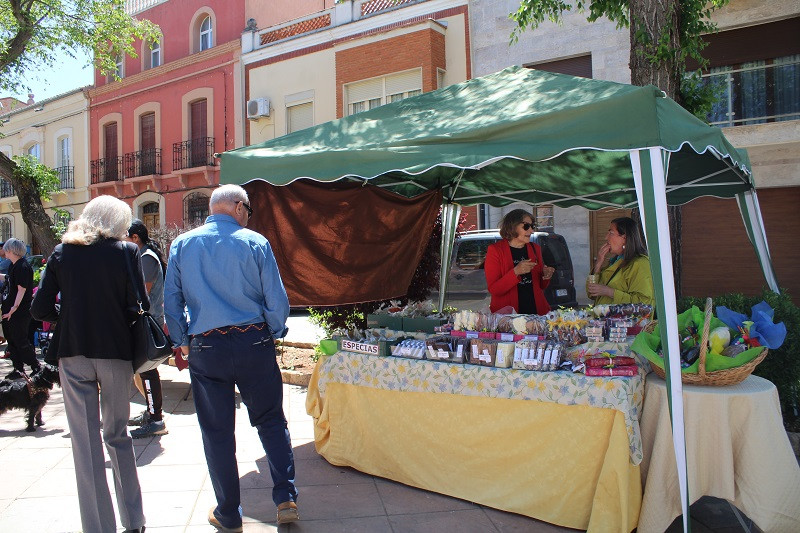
(287, 512)
(214, 521)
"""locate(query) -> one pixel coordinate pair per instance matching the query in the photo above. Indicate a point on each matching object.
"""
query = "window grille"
(195, 209)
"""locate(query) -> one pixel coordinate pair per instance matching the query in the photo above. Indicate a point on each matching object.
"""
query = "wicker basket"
(719, 378)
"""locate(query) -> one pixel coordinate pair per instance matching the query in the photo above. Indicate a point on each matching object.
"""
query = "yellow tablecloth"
(736, 449)
(568, 464)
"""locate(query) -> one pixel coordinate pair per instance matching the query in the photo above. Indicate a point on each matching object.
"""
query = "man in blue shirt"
(226, 278)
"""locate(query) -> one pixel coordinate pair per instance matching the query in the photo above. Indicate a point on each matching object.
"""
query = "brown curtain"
(342, 243)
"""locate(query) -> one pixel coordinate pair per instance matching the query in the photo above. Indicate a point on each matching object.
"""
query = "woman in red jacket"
(515, 273)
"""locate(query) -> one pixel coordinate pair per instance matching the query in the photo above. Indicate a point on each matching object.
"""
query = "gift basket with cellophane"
(715, 350)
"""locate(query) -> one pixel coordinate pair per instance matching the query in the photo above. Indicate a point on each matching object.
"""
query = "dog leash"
(32, 389)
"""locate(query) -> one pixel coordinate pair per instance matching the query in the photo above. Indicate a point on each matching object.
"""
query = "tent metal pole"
(649, 175)
(451, 213)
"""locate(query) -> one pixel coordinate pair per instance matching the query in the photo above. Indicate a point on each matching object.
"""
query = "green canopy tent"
(523, 135)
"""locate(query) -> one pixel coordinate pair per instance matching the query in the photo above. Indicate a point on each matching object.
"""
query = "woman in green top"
(627, 277)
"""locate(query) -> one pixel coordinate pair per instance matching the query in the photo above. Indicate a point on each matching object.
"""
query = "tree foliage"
(32, 31)
(31, 34)
(663, 34)
(33, 182)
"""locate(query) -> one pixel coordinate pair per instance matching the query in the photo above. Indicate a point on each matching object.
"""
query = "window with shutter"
(110, 168)
(198, 119)
(369, 94)
(110, 137)
(299, 117)
(147, 131)
(574, 66)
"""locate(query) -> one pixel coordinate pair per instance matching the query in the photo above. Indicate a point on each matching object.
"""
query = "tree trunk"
(30, 205)
(650, 19)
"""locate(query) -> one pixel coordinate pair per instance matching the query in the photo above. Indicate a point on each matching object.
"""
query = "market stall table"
(736, 449)
(556, 446)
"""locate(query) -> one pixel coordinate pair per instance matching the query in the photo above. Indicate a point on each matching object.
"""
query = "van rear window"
(472, 253)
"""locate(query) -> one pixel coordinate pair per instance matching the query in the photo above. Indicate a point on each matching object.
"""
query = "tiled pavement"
(38, 488)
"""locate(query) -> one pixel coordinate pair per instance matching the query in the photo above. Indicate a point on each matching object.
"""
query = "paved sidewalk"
(38, 491)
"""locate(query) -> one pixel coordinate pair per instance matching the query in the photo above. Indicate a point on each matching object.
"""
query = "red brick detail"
(424, 48)
(296, 29)
(461, 10)
(374, 6)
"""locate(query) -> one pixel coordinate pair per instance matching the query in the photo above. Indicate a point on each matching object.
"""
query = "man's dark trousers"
(217, 362)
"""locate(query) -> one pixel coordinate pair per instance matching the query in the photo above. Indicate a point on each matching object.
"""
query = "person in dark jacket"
(148, 383)
(92, 344)
(16, 308)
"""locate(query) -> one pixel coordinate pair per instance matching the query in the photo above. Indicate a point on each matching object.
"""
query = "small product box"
(439, 349)
(424, 325)
(505, 355)
(461, 349)
(409, 348)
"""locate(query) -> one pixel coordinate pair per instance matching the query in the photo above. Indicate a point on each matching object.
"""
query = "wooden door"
(150, 216)
(147, 143)
(198, 125)
(110, 154)
(599, 221)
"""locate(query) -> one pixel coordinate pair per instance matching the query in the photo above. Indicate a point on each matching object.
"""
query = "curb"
(306, 345)
(292, 377)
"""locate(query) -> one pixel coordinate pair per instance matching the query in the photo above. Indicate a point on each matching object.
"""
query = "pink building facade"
(155, 130)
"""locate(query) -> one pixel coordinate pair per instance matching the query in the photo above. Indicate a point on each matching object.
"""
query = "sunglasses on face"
(249, 210)
(526, 226)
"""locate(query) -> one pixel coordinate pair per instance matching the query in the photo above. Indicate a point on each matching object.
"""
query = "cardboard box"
(385, 320)
(425, 325)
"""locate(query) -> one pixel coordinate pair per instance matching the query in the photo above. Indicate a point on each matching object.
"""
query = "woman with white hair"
(91, 269)
(16, 308)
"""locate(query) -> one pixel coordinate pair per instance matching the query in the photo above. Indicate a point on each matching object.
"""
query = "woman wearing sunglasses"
(515, 273)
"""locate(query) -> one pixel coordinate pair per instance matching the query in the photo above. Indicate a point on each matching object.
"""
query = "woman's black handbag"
(150, 346)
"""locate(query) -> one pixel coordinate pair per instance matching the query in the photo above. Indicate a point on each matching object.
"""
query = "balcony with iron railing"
(195, 153)
(6, 190)
(107, 170)
(66, 177)
(756, 93)
(143, 163)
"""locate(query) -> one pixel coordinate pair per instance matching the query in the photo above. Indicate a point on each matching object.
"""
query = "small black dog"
(30, 394)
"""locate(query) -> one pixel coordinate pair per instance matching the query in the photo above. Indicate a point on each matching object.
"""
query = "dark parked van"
(467, 283)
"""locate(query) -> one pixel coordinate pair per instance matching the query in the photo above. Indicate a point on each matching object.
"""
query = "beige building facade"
(55, 131)
(347, 57)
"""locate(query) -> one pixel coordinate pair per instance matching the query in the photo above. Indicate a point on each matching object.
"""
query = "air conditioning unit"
(257, 108)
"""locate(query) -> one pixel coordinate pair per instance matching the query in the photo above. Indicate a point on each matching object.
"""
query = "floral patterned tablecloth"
(625, 394)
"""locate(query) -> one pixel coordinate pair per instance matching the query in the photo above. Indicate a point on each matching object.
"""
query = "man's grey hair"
(105, 217)
(16, 247)
(228, 194)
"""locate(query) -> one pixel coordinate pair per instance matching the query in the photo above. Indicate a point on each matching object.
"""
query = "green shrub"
(781, 366)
